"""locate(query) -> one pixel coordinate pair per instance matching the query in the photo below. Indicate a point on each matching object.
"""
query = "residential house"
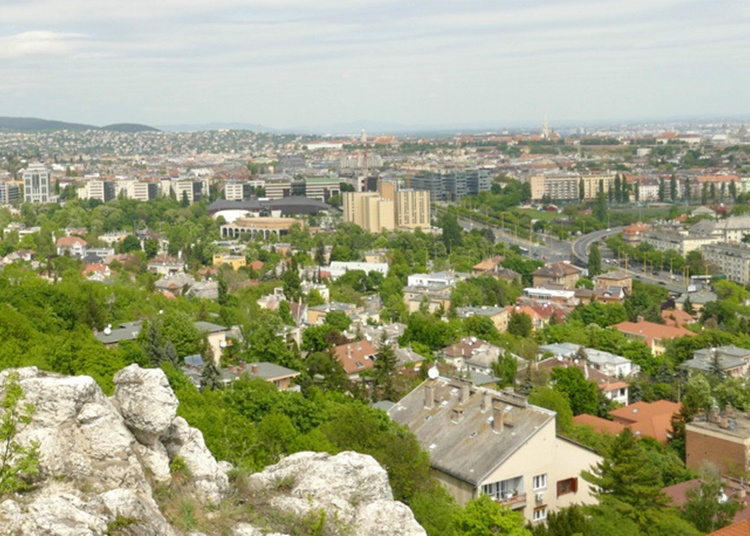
(537, 321)
(178, 284)
(317, 314)
(610, 364)
(697, 299)
(339, 268)
(166, 265)
(280, 376)
(356, 357)
(96, 272)
(633, 233)
(613, 388)
(545, 295)
(488, 266)
(217, 338)
(734, 361)
(128, 331)
(652, 419)
(498, 315)
(560, 273)
(677, 318)
(434, 296)
(235, 261)
(483, 441)
(73, 246)
(652, 335)
(614, 282)
(471, 353)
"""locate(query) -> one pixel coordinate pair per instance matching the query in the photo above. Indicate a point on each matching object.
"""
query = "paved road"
(582, 244)
(581, 253)
(542, 247)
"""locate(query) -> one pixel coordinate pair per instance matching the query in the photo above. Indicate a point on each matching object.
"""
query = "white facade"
(36, 184)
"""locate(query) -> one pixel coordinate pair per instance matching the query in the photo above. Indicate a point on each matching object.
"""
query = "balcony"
(513, 501)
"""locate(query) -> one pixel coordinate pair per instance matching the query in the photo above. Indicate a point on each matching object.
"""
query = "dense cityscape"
(526, 332)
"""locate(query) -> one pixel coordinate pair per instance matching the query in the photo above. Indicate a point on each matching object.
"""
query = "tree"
(169, 354)
(385, 369)
(688, 306)
(18, 463)
(452, 232)
(581, 190)
(687, 189)
(601, 208)
(130, 244)
(566, 522)
(505, 368)
(673, 187)
(520, 325)
(484, 517)
(708, 508)
(151, 247)
(624, 482)
(582, 394)
(595, 261)
(662, 190)
(320, 253)
(292, 283)
(618, 188)
(210, 376)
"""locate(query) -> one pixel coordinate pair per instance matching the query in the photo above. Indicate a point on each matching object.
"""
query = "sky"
(308, 63)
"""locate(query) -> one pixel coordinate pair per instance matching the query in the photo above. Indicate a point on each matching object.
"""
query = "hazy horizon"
(291, 64)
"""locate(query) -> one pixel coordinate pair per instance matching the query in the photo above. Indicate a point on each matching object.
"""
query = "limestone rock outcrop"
(351, 488)
(101, 458)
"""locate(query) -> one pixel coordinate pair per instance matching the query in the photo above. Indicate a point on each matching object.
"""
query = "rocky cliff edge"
(102, 459)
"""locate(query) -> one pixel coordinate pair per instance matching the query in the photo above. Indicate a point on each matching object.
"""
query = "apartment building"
(9, 193)
(242, 190)
(733, 260)
(413, 209)
(567, 186)
(495, 443)
(451, 185)
(195, 189)
(36, 184)
(98, 189)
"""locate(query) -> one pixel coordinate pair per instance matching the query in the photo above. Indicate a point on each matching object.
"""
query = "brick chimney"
(429, 396)
(486, 402)
(464, 393)
(498, 416)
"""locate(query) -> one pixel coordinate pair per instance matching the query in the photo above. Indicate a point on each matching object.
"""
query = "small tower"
(545, 128)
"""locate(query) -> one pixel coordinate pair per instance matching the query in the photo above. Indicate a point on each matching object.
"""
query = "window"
(540, 482)
(569, 485)
(540, 514)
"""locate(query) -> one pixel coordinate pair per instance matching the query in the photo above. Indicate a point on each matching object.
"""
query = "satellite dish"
(433, 373)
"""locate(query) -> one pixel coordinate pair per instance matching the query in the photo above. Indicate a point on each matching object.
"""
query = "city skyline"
(291, 64)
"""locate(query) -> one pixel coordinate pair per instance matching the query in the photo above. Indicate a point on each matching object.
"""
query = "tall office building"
(413, 209)
(9, 193)
(369, 211)
(36, 184)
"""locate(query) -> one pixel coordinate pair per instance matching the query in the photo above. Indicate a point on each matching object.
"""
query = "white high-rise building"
(36, 184)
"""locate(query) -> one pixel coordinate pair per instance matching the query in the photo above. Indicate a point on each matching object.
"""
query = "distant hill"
(129, 127)
(33, 124)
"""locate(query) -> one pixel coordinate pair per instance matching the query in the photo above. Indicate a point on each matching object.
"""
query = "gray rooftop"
(468, 449)
(209, 327)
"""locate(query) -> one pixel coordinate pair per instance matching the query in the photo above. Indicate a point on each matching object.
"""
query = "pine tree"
(169, 354)
(581, 190)
(673, 187)
(688, 306)
(662, 188)
(386, 362)
(210, 376)
(153, 344)
(622, 480)
(320, 253)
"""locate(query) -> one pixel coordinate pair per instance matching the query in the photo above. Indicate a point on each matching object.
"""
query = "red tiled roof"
(70, 241)
(650, 331)
(737, 529)
(651, 419)
(356, 357)
(602, 426)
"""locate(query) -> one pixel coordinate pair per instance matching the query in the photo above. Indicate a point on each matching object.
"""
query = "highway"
(581, 252)
(550, 249)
